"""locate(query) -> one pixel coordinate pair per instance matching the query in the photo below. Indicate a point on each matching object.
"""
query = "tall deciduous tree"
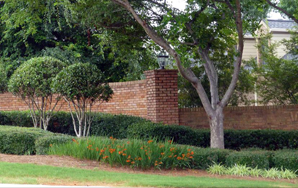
(203, 29)
(48, 30)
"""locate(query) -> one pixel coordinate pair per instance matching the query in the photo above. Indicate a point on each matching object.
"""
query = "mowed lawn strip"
(37, 174)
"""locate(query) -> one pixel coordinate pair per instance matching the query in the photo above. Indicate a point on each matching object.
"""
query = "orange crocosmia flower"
(183, 155)
(112, 150)
(160, 162)
(170, 141)
(124, 149)
(179, 158)
(132, 162)
(97, 149)
(150, 141)
(149, 158)
(189, 150)
(175, 155)
(102, 150)
(128, 142)
(162, 153)
(105, 157)
(111, 137)
(128, 157)
(120, 152)
(192, 153)
(124, 154)
(172, 149)
(191, 157)
(140, 158)
(127, 161)
(51, 145)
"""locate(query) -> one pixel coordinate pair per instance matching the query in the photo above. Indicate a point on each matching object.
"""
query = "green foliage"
(34, 77)
(3, 78)
(266, 139)
(113, 125)
(32, 82)
(277, 78)
(291, 6)
(253, 159)
(19, 141)
(82, 81)
(179, 134)
(243, 170)
(82, 85)
(188, 96)
(286, 159)
(134, 153)
(42, 144)
(206, 157)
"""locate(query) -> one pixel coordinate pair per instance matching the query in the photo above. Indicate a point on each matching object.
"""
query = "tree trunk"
(216, 130)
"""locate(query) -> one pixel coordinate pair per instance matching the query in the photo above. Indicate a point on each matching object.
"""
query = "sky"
(181, 4)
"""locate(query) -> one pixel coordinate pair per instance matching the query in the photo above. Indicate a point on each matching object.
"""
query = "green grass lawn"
(36, 174)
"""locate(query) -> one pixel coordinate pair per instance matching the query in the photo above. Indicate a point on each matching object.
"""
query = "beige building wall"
(278, 36)
(250, 49)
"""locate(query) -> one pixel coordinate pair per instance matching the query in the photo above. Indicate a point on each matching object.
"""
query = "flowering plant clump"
(134, 153)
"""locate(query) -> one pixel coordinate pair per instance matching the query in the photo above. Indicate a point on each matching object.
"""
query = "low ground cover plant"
(243, 170)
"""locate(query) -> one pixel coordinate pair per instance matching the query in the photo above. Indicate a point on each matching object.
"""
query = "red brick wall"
(162, 96)
(155, 98)
(254, 117)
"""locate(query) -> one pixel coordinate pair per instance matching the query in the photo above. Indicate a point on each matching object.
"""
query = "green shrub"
(20, 141)
(16, 118)
(179, 134)
(43, 144)
(253, 159)
(266, 139)
(113, 125)
(206, 157)
(286, 159)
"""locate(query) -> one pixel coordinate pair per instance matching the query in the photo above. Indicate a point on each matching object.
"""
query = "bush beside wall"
(19, 141)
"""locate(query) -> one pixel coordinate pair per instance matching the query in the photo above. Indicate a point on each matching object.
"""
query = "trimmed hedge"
(42, 144)
(20, 141)
(122, 126)
(28, 141)
(259, 159)
(234, 139)
(179, 134)
(206, 157)
(113, 125)
(61, 122)
(286, 159)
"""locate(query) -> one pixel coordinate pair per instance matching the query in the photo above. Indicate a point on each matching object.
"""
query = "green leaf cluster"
(34, 77)
(82, 81)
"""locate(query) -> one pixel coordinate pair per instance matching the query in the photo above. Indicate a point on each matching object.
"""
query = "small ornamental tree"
(83, 86)
(32, 81)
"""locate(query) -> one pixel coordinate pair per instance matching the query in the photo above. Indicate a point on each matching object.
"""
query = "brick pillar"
(162, 96)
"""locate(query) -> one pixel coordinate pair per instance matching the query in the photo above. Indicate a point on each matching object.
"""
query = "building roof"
(280, 24)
